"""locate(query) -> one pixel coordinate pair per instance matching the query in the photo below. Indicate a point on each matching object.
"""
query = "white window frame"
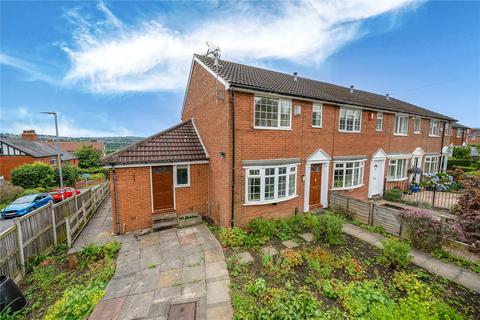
(429, 161)
(447, 129)
(379, 117)
(262, 176)
(435, 133)
(175, 169)
(319, 108)
(279, 113)
(344, 163)
(396, 129)
(350, 110)
(401, 166)
(415, 131)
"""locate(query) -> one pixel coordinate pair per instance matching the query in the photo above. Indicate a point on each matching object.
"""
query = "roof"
(37, 149)
(180, 143)
(458, 125)
(241, 76)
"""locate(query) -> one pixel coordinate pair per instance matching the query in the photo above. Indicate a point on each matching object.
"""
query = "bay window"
(434, 128)
(401, 124)
(350, 119)
(348, 174)
(272, 113)
(397, 169)
(317, 115)
(431, 165)
(270, 184)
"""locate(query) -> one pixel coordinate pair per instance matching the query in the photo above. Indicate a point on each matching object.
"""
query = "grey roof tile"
(37, 149)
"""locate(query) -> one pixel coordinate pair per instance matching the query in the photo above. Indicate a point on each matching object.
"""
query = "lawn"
(53, 291)
(334, 276)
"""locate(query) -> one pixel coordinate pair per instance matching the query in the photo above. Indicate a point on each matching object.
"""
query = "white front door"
(377, 170)
(416, 163)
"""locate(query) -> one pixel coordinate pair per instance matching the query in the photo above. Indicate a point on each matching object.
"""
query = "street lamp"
(59, 154)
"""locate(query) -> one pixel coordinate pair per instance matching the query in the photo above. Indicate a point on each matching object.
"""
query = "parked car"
(26, 204)
(67, 193)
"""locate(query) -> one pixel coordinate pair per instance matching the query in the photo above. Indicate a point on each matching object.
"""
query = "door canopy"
(379, 155)
(319, 156)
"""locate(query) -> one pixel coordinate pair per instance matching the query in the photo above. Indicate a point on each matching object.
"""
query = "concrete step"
(189, 219)
(163, 216)
(165, 224)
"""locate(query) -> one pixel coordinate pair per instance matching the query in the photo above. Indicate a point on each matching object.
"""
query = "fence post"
(54, 224)
(348, 202)
(20, 246)
(373, 213)
(370, 213)
(433, 198)
(84, 212)
(69, 235)
(76, 204)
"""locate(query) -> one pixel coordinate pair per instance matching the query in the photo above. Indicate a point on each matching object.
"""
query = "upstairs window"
(447, 129)
(272, 113)
(397, 169)
(434, 128)
(401, 125)
(379, 121)
(350, 119)
(348, 174)
(459, 133)
(317, 115)
(270, 184)
(417, 125)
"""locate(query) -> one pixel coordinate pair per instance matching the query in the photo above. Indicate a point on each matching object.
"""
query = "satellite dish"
(212, 46)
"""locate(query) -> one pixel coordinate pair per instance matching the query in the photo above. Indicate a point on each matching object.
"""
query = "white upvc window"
(447, 129)
(182, 176)
(431, 164)
(459, 132)
(401, 125)
(379, 121)
(272, 113)
(317, 115)
(348, 174)
(270, 184)
(434, 128)
(350, 119)
(397, 169)
(417, 128)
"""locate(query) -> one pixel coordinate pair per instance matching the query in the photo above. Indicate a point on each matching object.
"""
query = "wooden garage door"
(162, 184)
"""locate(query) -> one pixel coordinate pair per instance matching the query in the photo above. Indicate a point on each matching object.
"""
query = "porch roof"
(180, 143)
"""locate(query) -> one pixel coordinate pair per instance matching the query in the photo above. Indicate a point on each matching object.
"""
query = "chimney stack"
(387, 96)
(29, 135)
(351, 89)
(295, 76)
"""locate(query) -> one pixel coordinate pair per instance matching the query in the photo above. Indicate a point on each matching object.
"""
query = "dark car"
(26, 204)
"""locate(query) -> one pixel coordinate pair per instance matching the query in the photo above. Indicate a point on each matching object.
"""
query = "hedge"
(459, 162)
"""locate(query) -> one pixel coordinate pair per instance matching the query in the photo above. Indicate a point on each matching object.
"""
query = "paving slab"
(269, 251)
(244, 257)
(214, 255)
(308, 237)
(136, 306)
(108, 309)
(222, 311)
(169, 278)
(218, 292)
(216, 270)
(290, 244)
(145, 281)
(193, 273)
(119, 287)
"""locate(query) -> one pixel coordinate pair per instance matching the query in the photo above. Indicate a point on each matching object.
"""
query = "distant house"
(72, 146)
(473, 136)
(459, 134)
(15, 152)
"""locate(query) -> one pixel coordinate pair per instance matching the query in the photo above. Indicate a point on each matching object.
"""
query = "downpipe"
(115, 199)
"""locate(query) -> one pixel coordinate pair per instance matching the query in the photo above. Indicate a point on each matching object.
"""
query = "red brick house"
(276, 144)
(459, 135)
(15, 152)
(473, 136)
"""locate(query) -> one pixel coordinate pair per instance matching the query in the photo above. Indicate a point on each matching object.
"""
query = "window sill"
(317, 127)
(377, 130)
(345, 131)
(396, 180)
(258, 203)
(400, 134)
(349, 188)
(433, 136)
(417, 133)
(272, 128)
(182, 185)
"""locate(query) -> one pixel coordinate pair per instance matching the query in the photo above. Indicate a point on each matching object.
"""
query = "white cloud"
(111, 56)
(15, 120)
(28, 68)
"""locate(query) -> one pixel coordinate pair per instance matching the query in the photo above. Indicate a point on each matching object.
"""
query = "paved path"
(450, 271)
(98, 230)
(160, 269)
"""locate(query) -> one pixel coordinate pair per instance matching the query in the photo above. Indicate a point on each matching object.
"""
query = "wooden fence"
(45, 228)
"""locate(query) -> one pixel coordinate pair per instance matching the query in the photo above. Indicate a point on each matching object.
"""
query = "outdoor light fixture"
(222, 154)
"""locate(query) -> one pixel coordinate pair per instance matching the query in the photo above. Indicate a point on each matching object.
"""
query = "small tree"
(33, 175)
(461, 153)
(88, 157)
(70, 175)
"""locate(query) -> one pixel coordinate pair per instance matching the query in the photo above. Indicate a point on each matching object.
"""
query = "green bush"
(328, 228)
(393, 195)
(396, 253)
(461, 153)
(359, 297)
(9, 192)
(452, 162)
(88, 157)
(33, 175)
(465, 169)
(70, 175)
(232, 237)
(263, 227)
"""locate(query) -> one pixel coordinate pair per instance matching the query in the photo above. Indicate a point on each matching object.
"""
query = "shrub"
(232, 237)
(283, 229)
(393, 195)
(358, 297)
(423, 230)
(70, 175)
(257, 287)
(441, 181)
(33, 175)
(9, 192)
(292, 258)
(88, 157)
(396, 253)
(461, 153)
(328, 228)
(263, 227)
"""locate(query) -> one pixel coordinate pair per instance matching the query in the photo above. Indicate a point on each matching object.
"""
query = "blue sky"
(120, 68)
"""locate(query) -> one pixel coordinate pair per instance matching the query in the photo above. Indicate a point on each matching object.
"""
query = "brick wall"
(8, 163)
(134, 195)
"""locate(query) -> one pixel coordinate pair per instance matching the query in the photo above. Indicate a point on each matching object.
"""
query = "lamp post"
(59, 154)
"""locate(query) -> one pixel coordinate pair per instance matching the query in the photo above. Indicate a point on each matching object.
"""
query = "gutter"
(232, 106)
(115, 198)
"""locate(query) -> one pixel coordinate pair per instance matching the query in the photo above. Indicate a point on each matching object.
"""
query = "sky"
(120, 68)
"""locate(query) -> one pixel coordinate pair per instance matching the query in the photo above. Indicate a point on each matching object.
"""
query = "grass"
(346, 279)
(56, 292)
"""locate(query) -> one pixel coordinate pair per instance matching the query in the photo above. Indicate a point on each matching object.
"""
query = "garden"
(53, 291)
(304, 267)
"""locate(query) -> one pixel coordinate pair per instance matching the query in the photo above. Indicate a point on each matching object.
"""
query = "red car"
(67, 193)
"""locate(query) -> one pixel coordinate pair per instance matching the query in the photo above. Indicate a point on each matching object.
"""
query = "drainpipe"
(115, 198)
(441, 146)
(232, 106)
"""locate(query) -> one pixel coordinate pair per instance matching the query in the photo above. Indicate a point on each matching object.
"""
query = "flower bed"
(333, 277)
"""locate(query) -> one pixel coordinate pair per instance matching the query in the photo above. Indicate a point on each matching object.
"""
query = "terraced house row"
(256, 142)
